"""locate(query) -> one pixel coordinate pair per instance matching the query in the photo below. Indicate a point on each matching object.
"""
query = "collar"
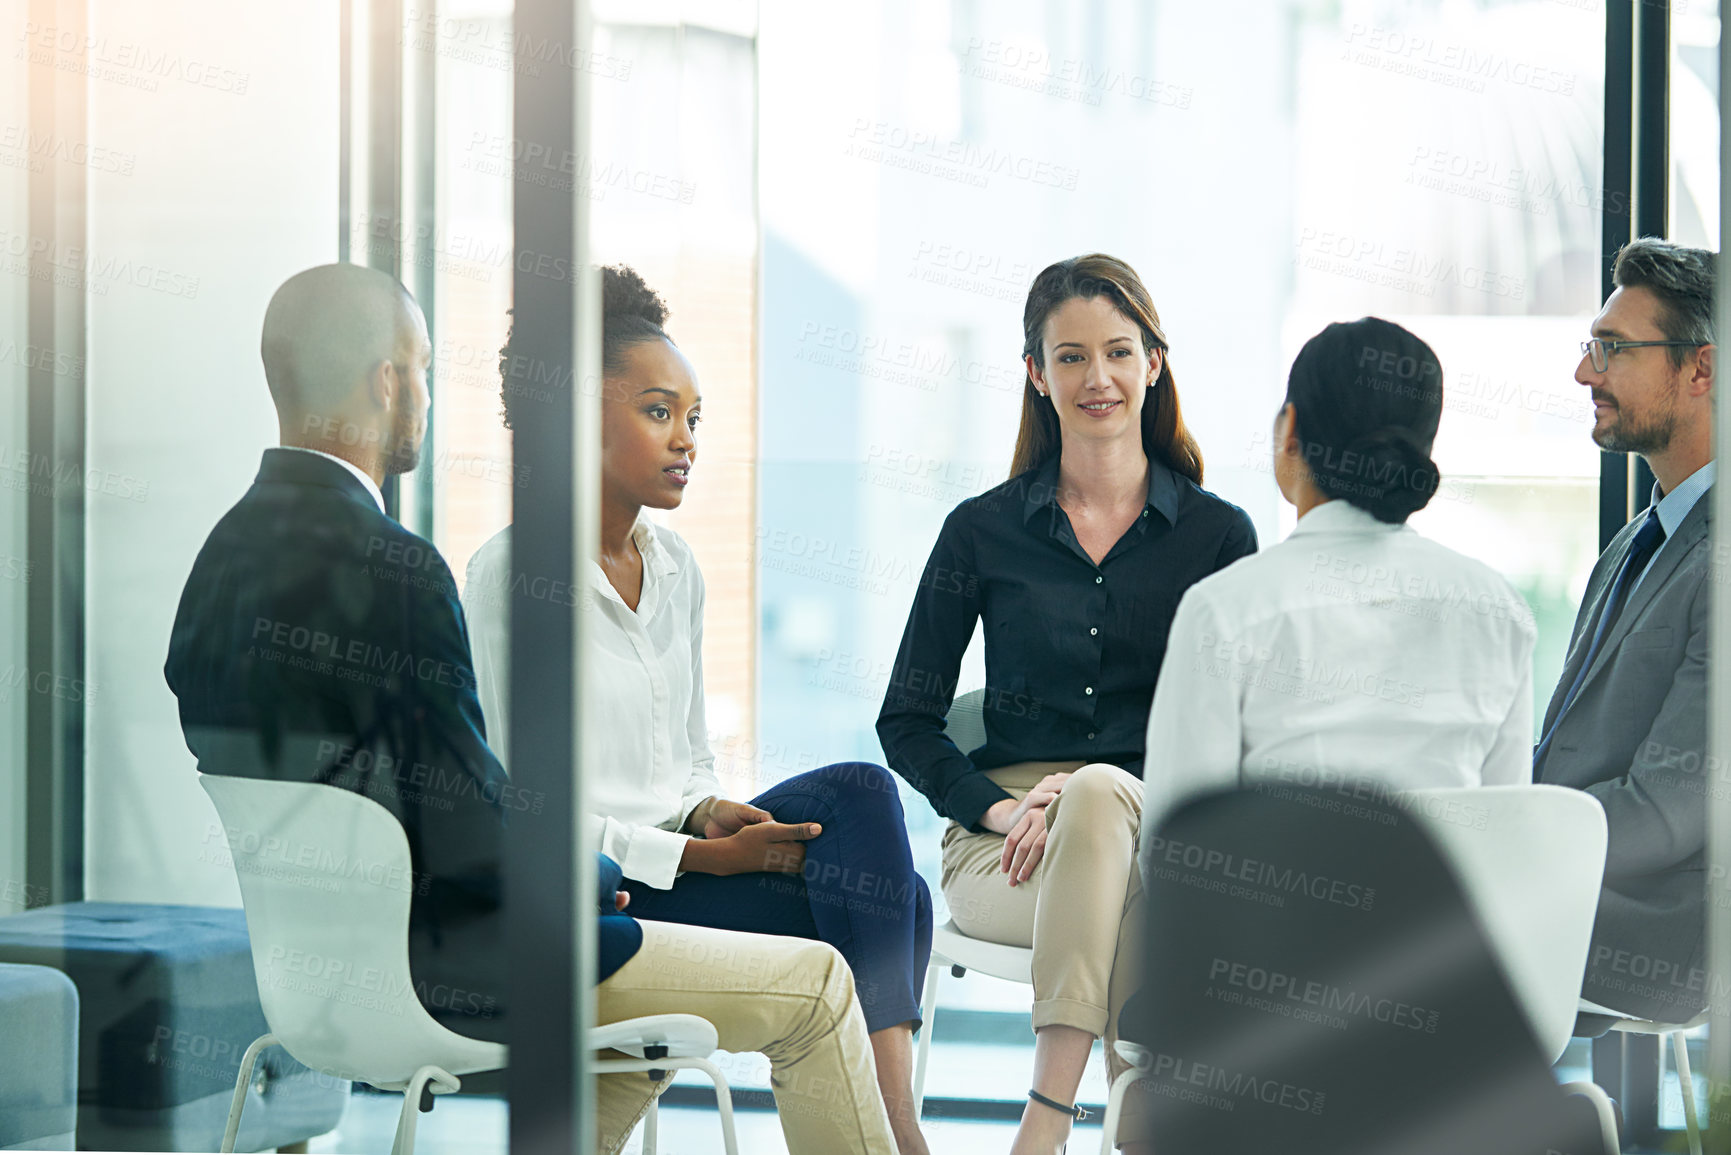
(655, 555)
(1042, 490)
(1675, 506)
(658, 562)
(372, 486)
(1341, 516)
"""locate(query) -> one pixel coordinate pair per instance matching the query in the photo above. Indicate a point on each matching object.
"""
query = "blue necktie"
(1646, 542)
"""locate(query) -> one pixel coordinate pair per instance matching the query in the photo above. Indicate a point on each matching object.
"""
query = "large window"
(1447, 176)
(1694, 116)
(1437, 164)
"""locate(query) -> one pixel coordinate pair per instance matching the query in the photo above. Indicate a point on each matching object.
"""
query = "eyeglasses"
(1600, 351)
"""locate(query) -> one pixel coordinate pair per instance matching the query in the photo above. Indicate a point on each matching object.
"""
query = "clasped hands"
(1023, 825)
(742, 839)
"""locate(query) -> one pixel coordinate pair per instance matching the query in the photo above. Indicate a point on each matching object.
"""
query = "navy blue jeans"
(857, 890)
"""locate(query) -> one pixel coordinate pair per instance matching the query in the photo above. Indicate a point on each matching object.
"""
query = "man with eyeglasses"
(1628, 720)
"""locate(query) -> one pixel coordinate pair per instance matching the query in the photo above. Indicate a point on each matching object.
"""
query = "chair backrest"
(1530, 859)
(965, 724)
(1318, 980)
(326, 881)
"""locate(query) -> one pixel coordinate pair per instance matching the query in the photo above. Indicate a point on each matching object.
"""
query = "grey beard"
(1653, 437)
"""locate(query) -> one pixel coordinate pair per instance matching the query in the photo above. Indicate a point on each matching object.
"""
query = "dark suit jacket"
(1636, 739)
(318, 640)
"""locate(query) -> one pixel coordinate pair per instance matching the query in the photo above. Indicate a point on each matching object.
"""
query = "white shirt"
(372, 486)
(1354, 650)
(654, 764)
(1673, 507)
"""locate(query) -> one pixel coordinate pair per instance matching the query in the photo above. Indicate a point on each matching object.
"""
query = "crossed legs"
(1080, 910)
(857, 890)
(791, 999)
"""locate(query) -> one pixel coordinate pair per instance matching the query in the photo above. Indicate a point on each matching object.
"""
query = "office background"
(844, 205)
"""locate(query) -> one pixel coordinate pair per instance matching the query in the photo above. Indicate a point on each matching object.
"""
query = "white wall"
(232, 113)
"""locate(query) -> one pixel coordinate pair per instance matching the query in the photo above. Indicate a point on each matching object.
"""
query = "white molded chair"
(951, 949)
(666, 1043)
(956, 952)
(1529, 859)
(1678, 1034)
(326, 881)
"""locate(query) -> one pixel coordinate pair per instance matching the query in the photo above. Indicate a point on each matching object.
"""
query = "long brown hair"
(1164, 436)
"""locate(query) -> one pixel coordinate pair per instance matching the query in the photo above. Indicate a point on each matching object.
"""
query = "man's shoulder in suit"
(305, 507)
(306, 606)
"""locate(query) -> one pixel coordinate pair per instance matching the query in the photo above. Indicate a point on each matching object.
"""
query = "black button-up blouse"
(1072, 648)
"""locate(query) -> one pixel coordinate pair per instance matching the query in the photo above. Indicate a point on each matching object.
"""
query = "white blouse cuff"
(653, 856)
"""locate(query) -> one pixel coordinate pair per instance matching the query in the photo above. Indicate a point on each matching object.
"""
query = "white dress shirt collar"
(1675, 506)
(372, 486)
(1341, 516)
(658, 563)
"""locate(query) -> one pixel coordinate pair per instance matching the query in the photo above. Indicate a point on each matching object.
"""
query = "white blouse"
(652, 745)
(1353, 651)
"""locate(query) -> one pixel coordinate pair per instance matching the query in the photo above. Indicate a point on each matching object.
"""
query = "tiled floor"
(990, 1063)
(477, 1126)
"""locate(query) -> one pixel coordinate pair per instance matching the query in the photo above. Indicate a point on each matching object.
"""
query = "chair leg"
(404, 1143)
(723, 1102)
(1115, 1107)
(651, 1125)
(929, 1004)
(1686, 1082)
(435, 1079)
(243, 1080)
(1601, 1102)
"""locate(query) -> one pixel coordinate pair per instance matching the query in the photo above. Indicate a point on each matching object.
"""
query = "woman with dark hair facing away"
(1074, 566)
(1356, 655)
(822, 855)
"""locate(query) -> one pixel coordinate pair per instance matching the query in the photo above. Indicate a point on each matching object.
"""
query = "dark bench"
(167, 1005)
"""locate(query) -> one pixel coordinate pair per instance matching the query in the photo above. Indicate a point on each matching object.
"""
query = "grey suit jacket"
(1636, 739)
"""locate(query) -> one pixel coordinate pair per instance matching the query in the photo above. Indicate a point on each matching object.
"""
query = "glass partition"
(1694, 212)
(843, 206)
(18, 159)
(671, 188)
(223, 118)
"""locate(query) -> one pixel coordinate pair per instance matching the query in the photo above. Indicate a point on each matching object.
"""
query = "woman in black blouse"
(1075, 565)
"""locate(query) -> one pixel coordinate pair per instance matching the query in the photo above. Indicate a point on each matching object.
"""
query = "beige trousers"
(1081, 908)
(790, 999)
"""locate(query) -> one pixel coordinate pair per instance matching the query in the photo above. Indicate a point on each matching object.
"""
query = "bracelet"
(1080, 1113)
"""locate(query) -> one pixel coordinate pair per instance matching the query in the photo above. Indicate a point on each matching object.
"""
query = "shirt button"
(1098, 579)
(1144, 513)
(1092, 630)
(1090, 737)
(1087, 689)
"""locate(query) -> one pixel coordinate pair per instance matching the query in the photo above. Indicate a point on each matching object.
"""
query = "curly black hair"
(632, 313)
